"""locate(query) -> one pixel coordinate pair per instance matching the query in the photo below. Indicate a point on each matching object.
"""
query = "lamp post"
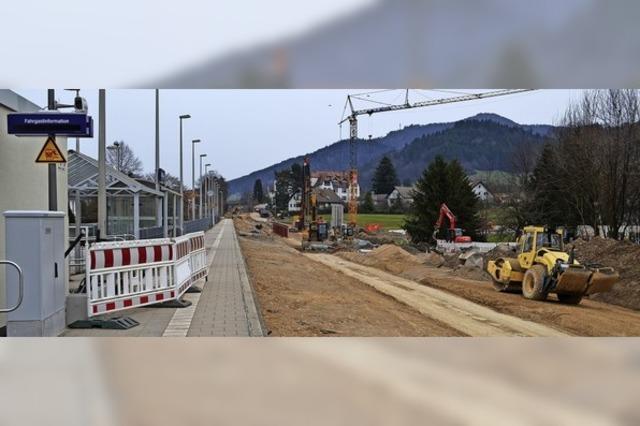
(181, 218)
(206, 189)
(116, 147)
(200, 204)
(193, 177)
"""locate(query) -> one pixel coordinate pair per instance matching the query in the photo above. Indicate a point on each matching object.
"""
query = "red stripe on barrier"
(159, 296)
(170, 252)
(108, 258)
(173, 294)
(157, 253)
(126, 256)
(93, 259)
(142, 255)
(144, 299)
(111, 306)
(95, 309)
(127, 302)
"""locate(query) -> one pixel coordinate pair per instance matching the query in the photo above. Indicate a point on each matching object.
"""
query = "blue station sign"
(50, 123)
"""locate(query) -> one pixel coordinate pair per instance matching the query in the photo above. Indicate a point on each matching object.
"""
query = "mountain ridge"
(335, 156)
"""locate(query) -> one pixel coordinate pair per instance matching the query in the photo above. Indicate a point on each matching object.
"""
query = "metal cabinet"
(35, 241)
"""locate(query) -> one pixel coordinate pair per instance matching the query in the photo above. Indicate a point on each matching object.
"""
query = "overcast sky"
(246, 130)
(145, 39)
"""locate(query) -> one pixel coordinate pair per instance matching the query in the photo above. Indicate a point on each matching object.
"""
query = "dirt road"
(465, 316)
(301, 297)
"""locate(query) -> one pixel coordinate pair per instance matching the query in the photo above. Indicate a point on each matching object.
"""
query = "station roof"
(83, 176)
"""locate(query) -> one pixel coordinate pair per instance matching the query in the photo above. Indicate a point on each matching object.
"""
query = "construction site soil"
(590, 318)
(300, 297)
(624, 257)
(303, 297)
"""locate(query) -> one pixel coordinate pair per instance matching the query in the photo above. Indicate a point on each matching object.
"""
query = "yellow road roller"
(542, 266)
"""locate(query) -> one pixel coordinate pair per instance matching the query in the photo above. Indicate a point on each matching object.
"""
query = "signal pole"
(52, 170)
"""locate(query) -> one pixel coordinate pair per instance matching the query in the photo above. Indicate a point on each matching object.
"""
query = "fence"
(478, 246)
(130, 274)
(197, 225)
(281, 229)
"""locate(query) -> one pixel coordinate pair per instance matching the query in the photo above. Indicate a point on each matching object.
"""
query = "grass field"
(387, 221)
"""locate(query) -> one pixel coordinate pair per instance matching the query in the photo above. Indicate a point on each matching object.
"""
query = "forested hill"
(481, 142)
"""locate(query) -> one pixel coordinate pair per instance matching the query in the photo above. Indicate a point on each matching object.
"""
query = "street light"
(181, 218)
(116, 146)
(206, 189)
(200, 206)
(193, 176)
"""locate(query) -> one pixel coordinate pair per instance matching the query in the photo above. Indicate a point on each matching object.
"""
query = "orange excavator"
(454, 234)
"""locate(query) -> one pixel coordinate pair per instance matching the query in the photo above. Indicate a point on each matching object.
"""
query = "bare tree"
(122, 158)
(599, 158)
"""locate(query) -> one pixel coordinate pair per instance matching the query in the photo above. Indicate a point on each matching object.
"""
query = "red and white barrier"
(198, 256)
(130, 274)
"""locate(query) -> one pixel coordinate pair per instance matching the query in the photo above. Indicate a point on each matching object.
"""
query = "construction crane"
(352, 118)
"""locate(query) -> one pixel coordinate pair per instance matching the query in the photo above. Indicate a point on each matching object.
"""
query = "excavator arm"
(445, 212)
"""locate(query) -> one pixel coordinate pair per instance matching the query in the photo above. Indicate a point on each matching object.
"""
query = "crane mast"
(352, 118)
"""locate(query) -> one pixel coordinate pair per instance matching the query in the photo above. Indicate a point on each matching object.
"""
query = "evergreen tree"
(367, 203)
(385, 177)
(442, 182)
(258, 193)
(288, 182)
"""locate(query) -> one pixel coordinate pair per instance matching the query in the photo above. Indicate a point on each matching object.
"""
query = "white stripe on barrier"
(130, 274)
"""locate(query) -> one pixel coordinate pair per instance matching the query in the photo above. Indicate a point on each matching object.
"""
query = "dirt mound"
(431, 259)
(390, 258)
(501, 250)
(451, 260)
(471, 273)
(624, 257)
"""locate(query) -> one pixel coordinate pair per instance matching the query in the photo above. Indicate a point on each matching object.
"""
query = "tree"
(385, 177)
(288, 182)
(122, 158)
(442, 182)
(258, 192)
(367, 203)
(591, 174)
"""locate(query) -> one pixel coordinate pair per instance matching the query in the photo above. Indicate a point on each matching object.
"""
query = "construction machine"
(453, 234)
(314, 228)
(542, 266)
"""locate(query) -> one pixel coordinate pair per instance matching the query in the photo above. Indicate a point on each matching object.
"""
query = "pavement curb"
(254, 317)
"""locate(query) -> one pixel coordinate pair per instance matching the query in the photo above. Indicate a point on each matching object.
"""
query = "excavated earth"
(303, 295)
(590, 318)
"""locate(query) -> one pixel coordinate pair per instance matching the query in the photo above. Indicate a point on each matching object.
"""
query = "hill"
(481, 142)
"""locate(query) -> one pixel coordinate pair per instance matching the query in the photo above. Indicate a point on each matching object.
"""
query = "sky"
(147, 39)
(246, 130)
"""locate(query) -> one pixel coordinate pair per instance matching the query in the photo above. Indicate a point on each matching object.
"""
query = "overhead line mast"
(353, 130)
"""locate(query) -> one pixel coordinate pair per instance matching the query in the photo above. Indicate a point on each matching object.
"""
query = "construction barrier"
(130, 274)
(281, 229)
(197, 256)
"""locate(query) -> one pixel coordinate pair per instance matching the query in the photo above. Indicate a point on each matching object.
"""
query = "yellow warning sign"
(50, 153)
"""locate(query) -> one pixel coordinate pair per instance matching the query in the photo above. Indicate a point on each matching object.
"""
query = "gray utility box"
(35, 241)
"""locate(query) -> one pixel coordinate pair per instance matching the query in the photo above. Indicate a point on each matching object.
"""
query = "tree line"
(589, 173)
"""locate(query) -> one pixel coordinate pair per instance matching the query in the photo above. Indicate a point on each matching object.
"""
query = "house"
(482, 192)
(404, 193)
(295, 203)
(379, 200)
(335, 181)
(324, 199)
